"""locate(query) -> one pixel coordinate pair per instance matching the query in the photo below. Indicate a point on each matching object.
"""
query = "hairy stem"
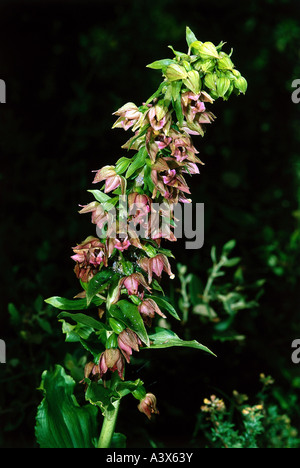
(108, 426)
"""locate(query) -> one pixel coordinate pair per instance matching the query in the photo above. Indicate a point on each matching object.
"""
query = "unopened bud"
(176, 72)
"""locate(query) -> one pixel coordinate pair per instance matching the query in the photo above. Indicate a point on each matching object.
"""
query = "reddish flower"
(112, 179)
(113, 360)
(128, 341)
(88, 256)
(99, 216)
(147, 309)
(133, 284)
(156, 265)
(129, 116)
(139, 207)
(148, 405)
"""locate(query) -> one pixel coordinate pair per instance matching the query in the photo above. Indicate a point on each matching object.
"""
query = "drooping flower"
(99, 216)
(135, 285)
(148, 405)
(113, 360)
(148, 308)
(112, 179)
(139, 207)
(127, 342)
(129, 116)
(159, 118)
(195, 112)
(88, 257)
(156, 265)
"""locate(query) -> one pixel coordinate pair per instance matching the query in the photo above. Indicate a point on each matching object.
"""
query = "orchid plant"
(120, 268)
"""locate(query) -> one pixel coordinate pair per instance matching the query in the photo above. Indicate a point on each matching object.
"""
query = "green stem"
(108, 426)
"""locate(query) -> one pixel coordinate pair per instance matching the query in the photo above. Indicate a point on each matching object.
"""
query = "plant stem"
(108, 426)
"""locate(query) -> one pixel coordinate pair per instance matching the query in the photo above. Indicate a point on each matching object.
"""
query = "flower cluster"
(128, 245)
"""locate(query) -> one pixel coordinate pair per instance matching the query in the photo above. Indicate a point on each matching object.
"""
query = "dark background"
(68, 65)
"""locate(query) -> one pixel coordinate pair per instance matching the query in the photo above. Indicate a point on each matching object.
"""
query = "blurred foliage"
(68, 66)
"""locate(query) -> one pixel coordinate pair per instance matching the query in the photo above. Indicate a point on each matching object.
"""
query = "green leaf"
(60, 421)
(100, 196)
(138, 162)
(163, 338)
(128, 313)
(97, 283)
(118, 440)
(190, 36)
(71, 304)
(163, 304)
(101, 396)
(83, 319)
(160, 64)
(228, 247)
(123, 388)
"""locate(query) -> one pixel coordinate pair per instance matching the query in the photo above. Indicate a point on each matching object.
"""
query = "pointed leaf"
(129, 314)
(163, 338)
(100, 280)
(71, 304)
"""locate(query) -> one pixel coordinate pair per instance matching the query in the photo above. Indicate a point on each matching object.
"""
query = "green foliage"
(261, 425)
(250, 186)
(72, 426)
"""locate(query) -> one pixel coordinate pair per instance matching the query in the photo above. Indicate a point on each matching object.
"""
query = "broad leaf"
(60, 421)
(160, 64)
(71, 304)
(118, 440)
(138, 162)
(163, 304)
(84, 320)
(128, 313)
(98, 281)
(163, 338)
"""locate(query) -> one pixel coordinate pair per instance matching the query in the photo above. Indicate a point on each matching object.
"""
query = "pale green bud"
(208, 49)
(223, 85)
(175, 72)
(210, 80)
(241, 84)
(192, 81)
(225, 63)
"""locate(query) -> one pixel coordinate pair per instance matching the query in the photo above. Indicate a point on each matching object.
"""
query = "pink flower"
(129, 116)
(176, 180)
(135, 285)
(128, 341)
(113, 360)
(195, 113)
(148, 405)
(148, 308)
(139, 207)
(88, 256)
(158, 117)
(156, 265)
(112, 179)
(99, 216)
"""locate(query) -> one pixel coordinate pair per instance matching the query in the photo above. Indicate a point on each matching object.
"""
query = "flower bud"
(148, 405)
(208, 49)
(241, 84)
(223, 85)
(193, 82)
(176, 72)
(225, 62)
